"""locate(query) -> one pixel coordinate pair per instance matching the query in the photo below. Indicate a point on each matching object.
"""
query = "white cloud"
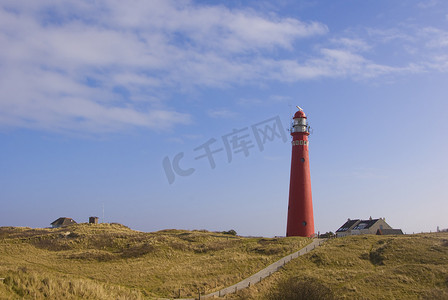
(221, 113)
(438, 62)
(214, 27)
(100, 66)
(250, 102)
(436, 38)
(428, 3)
(181, 139)
(390, 35)
(331, 63)
(352, 44)
(435, 45)
(109, 65)
(280, 98)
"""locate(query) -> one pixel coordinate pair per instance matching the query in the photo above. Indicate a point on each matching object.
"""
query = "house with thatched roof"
(63, 221)
(389, 232)
(370, 226)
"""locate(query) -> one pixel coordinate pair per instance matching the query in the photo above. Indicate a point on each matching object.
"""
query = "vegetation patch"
(296, 288)
(110, 261)
(97, 255)
(158, 264)
(320, 259)
(31, 285)
(363, 267)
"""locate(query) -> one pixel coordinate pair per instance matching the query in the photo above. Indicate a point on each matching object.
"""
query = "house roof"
(388, 231)
(348, 225)
(63, 222)
(365, 224)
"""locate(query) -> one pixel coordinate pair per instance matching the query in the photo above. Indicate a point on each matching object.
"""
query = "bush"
(230, 232)
(327, 235)
(295, 288)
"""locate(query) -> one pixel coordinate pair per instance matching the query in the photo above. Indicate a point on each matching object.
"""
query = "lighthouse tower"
(300, 207)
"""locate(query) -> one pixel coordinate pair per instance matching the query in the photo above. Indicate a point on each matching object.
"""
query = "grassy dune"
(364, 267)
(111, 261)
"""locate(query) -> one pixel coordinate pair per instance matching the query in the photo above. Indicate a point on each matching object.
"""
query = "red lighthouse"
(300, 207)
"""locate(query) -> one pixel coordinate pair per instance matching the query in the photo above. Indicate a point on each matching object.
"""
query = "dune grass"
(25, 284)
(365, 267)
(111, 261)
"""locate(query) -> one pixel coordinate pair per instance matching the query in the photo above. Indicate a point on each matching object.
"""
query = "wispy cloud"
(435, 38)
(221, 113)
(353, 44)
(389, 35)
(99, 66)
(106, 66)
(428, 3)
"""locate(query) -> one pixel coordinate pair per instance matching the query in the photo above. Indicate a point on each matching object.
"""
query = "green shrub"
(327, 235)
(230, 232)
(295, 288)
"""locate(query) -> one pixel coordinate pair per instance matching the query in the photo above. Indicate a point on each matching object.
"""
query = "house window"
(381, 226)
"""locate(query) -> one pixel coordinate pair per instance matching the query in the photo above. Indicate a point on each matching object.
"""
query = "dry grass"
(111, 261)
(32, 285)
(368, 267)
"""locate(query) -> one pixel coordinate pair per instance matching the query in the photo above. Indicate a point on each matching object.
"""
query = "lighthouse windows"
(299, 121)
(304, 223)
(299, 128)
(302, 160)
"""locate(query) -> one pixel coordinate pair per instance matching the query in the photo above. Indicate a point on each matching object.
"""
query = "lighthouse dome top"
(299, 114)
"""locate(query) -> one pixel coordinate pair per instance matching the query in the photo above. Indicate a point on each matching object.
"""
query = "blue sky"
(96, 95)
